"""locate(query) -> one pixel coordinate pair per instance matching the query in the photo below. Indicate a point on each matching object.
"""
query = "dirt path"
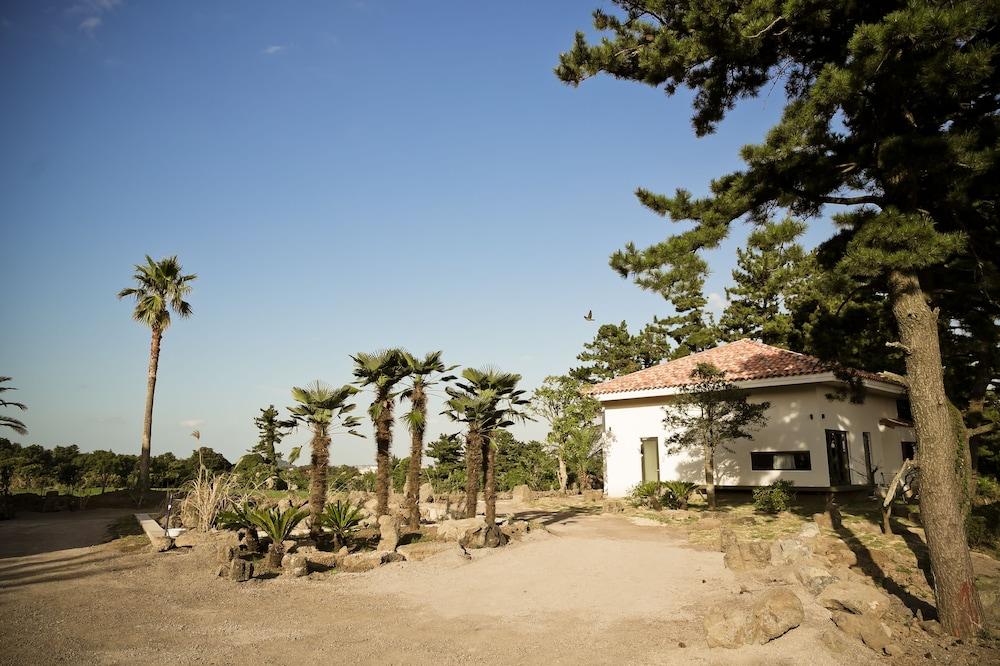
(598, 589)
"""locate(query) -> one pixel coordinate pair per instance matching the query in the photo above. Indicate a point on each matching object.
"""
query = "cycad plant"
(486, 401)
(343, 519)
(279, 525)
(422, 376)
(677, 493)
(240, 517)
(321, 406)
(381, 371)
(8, 421)
(161, 287)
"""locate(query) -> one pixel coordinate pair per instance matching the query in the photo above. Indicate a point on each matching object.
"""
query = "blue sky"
(342, 176)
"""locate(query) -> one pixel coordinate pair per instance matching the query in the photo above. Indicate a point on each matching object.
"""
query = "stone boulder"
(854, 597)
(433, 513)
(743, 555)
(361, 562)
(522, 494)
(238, 570)
(426, 493)
(789, 551)
(866, 627)
(515, 528)
(421, 550)
(593, 495)
(161, 544)
(813, 577)
(460, 530)
(763, 618)
(294, 566)
(388, 527)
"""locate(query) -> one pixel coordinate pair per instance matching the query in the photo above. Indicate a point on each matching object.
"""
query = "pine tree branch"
(843, 201)
(768, 28)
(896, 378)
(982, 430)
(899, 345)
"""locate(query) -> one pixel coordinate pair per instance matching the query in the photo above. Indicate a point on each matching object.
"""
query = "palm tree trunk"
(317, 485)
(709, 456)
(419, 402)
(383, 440)
(147, 422)
(473, 453)
(490, 485)
(959, 608)
(563, 474)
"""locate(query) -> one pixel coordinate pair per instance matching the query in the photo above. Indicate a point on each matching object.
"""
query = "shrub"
(343, 519)
(773, 498)
(988, 489)
(646, 494)
(982, 526)
(676, 494)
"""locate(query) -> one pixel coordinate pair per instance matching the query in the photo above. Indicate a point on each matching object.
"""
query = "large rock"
(789, 551)
(765, 617)
(866, 627)
(388, 527)
(426, 492)
(433, 513)
(161, 544)
(294, 566)
(742, 555)
(421, 550)
(515, 528)
(522, 494)
(239, 570)
(854, 597)
(813, 577)
(460, 530)
(361, 562)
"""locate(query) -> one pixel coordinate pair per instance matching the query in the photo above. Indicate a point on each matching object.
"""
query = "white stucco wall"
(797, 420)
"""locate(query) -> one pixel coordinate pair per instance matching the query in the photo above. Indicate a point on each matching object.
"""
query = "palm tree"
(381, 371)
(420, 372)
(488, 400)
(319, 407)
(160, 288)
(9, 421)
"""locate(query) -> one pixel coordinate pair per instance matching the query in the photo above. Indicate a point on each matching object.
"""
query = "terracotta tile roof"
(740, 360)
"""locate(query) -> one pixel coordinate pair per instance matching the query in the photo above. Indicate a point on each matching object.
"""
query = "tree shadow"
(559, 516)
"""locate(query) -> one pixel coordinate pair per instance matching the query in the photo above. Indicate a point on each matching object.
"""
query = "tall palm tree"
(161, 287)
(421, 373)
(381, 371)
(9, 421)
(486, 401)
(320, 406)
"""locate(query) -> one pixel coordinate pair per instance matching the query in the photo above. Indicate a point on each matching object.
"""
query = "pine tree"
(772, 274)
(891, 112)
(271, 431)
(615, 352)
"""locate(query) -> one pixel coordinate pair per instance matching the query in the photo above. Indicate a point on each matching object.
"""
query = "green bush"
(774, 498)
(676, 493)
(988, 489)
(982, 526)
(646, 494)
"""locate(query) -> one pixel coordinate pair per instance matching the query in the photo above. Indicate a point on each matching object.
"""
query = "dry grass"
(209, 494)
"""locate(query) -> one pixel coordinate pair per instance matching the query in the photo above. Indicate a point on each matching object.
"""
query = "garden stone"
(320, 560)
(789, 551)
(426, 492)
(494, 537)
(515, 528)
(856, 598)
(593, 495)
(433, 513)
(815, 579)
(764, 618)
(522, 494)
(457, 530)
(867, 627)
(294, 566)
(741, 555)
(809, 531)
(361, 562)
(161, 544)
(389, 532)
(240, 570)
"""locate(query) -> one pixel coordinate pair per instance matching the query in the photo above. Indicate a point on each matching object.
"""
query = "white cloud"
(90, 24)
(192, 423)
(274, 49)
(716, 303)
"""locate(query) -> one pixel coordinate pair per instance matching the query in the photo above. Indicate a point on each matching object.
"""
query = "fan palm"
(320, 406)
(161, 287)
(421, 373)
(381, 371)
(486, 400)
(9, 421)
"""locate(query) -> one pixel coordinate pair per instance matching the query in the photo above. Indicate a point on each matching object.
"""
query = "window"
(909, 450)
(780, 460)
(903, 412)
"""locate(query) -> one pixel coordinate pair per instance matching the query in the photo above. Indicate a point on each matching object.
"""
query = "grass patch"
(124, 526)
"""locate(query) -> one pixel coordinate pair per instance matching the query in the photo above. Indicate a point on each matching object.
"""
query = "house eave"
(770, 382)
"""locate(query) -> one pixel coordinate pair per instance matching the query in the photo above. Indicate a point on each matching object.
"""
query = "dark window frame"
(797, 457)
(910, 447)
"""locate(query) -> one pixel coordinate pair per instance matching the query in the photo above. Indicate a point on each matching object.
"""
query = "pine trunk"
(473, 453)
(709, 475)
(959, 608)
(147, 422)
(490, 485)
(419, 402)
(317, 484)
(383, 440)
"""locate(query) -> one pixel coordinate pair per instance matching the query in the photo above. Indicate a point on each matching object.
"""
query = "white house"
(810, 439)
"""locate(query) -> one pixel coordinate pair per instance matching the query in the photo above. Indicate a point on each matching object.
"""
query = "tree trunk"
(563, 474)
(709, 475)
(473, 453)
(419, 402)
(383, 440)
(490, 485)
(958, 604)
(147, 422)
(317, 484)
(584, 481)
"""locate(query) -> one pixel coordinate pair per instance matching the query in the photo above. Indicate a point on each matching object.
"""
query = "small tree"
(709, 414)
(562, 401)
(272, 430)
